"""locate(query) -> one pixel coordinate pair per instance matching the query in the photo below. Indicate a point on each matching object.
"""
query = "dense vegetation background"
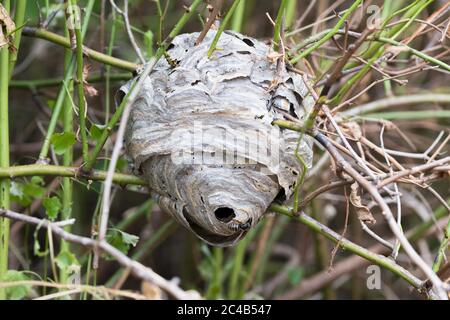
(399, 83)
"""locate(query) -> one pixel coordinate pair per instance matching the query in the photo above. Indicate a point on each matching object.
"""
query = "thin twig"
(136, 268)
(386, 211)
(126, 20)
(106, 198)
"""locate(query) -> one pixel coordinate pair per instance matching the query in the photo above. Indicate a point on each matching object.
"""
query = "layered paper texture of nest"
(201, 133)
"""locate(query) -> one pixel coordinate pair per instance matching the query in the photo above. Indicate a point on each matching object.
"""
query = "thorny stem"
(278, 24)
(442, 248)
(136, 268)
(19, 18)
(386, 211)
(238, 17)
(349, 264)
(62, 91)
(222, 27)
(4, 157)
(80, 82)
(391, 102)
(329, 35)
(348, 245)
(127, 103)
(118, 114)
(95, 55)
(126, 20)
(67, 185)
(44, 83)
(62, 171)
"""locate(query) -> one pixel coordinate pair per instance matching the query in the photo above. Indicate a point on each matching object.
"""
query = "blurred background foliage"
(275, 257)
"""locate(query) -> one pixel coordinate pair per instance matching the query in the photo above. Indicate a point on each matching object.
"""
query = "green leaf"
(18, 195)
(295, 275)
(62, 142)
(206, 270)
(37, 180)
(17, 292)
(52, 207)
(16, 189)
(148, 42)
(96, 131)
(51, 104)
(122, 164)
(66, 261)
(121, 240)
(34, 188)
(37, 247)
(129, 239)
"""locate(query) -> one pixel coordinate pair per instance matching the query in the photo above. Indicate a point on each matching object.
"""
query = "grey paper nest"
(201, 134)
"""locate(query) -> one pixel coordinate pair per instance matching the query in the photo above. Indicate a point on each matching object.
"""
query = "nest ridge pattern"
(201, 133)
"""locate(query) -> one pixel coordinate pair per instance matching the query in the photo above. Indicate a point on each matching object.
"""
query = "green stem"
(63, 171)
(108, 75)
(392, 102)
(378, 259)
(410, 115)
(353, 80)
(62, 91)
(47, 83)
(183, 20)
(95, 55)
(329, 35)
(67, 185)
(415, 52)
(278, 24)
(160, 22)
(444, 244)
(215, 287)
(291, 13)
(238, 262)
(21, 6)
(117, 115)
(238, 17)
(4, 156)
(56, 112)
(236, 271)
(80, 85)
(222, 27)
(412, 11)
(146, 248)
(385, 13)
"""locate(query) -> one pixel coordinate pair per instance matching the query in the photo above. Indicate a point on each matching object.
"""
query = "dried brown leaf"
(353, 129)
(362, 211)
(150, 291)
(89, 89)
(6, 24)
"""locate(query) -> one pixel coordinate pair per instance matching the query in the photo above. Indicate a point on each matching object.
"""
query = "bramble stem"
(380, 260)
(222, 27)
(21, 6)
(118, 114)
(329, 35)
(95, 55)
(67, 184)
(4, 156)
(278, 24)
(62, 91)
(62, 171)
(238, 17)
(53, 82)
(80, 83)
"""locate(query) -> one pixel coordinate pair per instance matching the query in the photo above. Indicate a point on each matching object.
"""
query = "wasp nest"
(201, 133)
